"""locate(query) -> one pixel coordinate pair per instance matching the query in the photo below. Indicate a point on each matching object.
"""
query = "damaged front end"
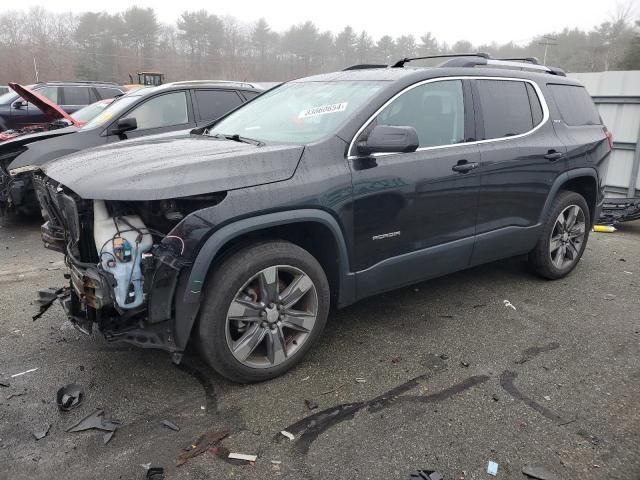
(125, 262)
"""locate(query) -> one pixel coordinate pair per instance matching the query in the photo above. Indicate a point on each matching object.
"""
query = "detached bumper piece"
(618, 210)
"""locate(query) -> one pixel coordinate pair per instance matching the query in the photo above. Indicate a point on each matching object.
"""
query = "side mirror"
(19, 104)
(389, 139)
(124, 125)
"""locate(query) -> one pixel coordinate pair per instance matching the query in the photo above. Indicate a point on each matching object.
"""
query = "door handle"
(552, 155)
(464, 166)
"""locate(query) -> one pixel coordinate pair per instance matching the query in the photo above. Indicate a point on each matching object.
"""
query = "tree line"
(201, 45)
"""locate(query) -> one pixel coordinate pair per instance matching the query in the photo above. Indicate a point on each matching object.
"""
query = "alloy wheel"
(567, 237)
(271, 316)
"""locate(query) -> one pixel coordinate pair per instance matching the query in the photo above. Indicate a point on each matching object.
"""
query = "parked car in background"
(146, 111)
(55, 116)
(16, 112)
(241, 235)
(4, 89)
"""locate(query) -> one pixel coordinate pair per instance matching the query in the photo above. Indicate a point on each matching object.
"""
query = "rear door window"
(165, 110)
(52, 93)
(215, 103)
(105, 92)
(505, 108)
(76, 96)
(575, 105)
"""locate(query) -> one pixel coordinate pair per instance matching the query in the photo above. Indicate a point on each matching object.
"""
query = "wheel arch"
(314, 230)
(580, 180)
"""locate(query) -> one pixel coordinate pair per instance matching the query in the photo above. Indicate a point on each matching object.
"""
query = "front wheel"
(265, 307)
(564, 237)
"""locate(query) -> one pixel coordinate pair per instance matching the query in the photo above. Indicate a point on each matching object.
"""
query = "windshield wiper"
(237, 138)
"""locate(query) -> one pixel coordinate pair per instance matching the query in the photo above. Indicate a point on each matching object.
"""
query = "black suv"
(321, 192)
(147, 111)
(16, 113)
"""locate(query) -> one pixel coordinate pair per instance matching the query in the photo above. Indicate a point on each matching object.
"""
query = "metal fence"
(617, 96)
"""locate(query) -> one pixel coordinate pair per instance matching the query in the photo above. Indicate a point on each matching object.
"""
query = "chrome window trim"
(543, 103)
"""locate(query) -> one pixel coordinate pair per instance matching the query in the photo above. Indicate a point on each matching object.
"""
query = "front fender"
(189, 293)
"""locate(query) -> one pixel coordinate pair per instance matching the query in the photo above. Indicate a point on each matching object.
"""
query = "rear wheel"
(564, 236)
(265, 307)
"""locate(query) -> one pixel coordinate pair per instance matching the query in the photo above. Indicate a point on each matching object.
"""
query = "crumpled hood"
(160, 167)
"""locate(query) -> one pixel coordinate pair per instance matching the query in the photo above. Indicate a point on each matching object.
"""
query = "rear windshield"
(575, 105)
(298, 112)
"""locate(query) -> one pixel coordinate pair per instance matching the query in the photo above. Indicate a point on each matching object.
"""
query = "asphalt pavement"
(449, 378)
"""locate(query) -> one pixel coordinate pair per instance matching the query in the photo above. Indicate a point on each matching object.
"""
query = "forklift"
(147, 79)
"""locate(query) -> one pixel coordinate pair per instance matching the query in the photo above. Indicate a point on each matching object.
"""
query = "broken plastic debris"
(289, 435)
(170, 425)
(204, 443)
(106, 438)
(538, 472)
(547, 398)
(69, 397)
(311, 404)
(492, 468)
(426, 475)
(155, 473)
(305, 379)
(242, 456)
(508, 304)
(40, 434)
(360, 380)
(22, 373)
(96, 420)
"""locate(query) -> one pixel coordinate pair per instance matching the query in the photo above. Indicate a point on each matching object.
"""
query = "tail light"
(609, 136)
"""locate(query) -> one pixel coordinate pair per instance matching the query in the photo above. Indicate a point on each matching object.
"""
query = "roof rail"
(91, 82)
(474, 60)
(400, 63)
(223, 82)
(533, 60)
(362, 66)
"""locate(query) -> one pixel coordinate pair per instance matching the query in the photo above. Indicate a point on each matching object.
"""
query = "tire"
(545, 259)
(238, 313)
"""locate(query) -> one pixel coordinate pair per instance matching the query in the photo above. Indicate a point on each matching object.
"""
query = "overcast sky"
(479, 21)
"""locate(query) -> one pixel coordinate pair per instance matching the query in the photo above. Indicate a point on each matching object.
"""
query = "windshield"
(90, 111)
(113, 110)
(298, 112)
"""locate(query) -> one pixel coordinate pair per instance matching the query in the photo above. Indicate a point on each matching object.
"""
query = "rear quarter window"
(575, 105)
(505, 108)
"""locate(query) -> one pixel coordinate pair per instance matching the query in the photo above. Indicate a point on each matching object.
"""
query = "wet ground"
(453, 378)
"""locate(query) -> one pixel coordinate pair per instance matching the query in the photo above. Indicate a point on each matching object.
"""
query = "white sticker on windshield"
(323, 109)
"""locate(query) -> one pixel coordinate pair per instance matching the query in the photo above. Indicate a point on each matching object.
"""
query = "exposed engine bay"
(124, 263)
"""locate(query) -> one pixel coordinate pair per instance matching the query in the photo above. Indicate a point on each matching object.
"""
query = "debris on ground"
(609, 296)
(204, 443)
(305, 378)
(289, 435)
(492, 468)
(47, 297)
(170, 425)
(426, 475)
(479, 305)
(69, 397)
(96, 420)
(5, 384)
(220, 451)
(396, 359)
(41, 433)
(155, 473)
(508, 304)
(495, 397)
(242, 456)
(538, 472)
(311, 404)
(444, 356)
(22, 373)
(464, 364)
(16, 394)
(333, 389)
(604, 228)
(360, 380)
(547, 398)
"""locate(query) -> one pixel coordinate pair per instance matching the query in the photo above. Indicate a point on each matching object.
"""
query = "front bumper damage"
(88, 299)
(618, 210)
